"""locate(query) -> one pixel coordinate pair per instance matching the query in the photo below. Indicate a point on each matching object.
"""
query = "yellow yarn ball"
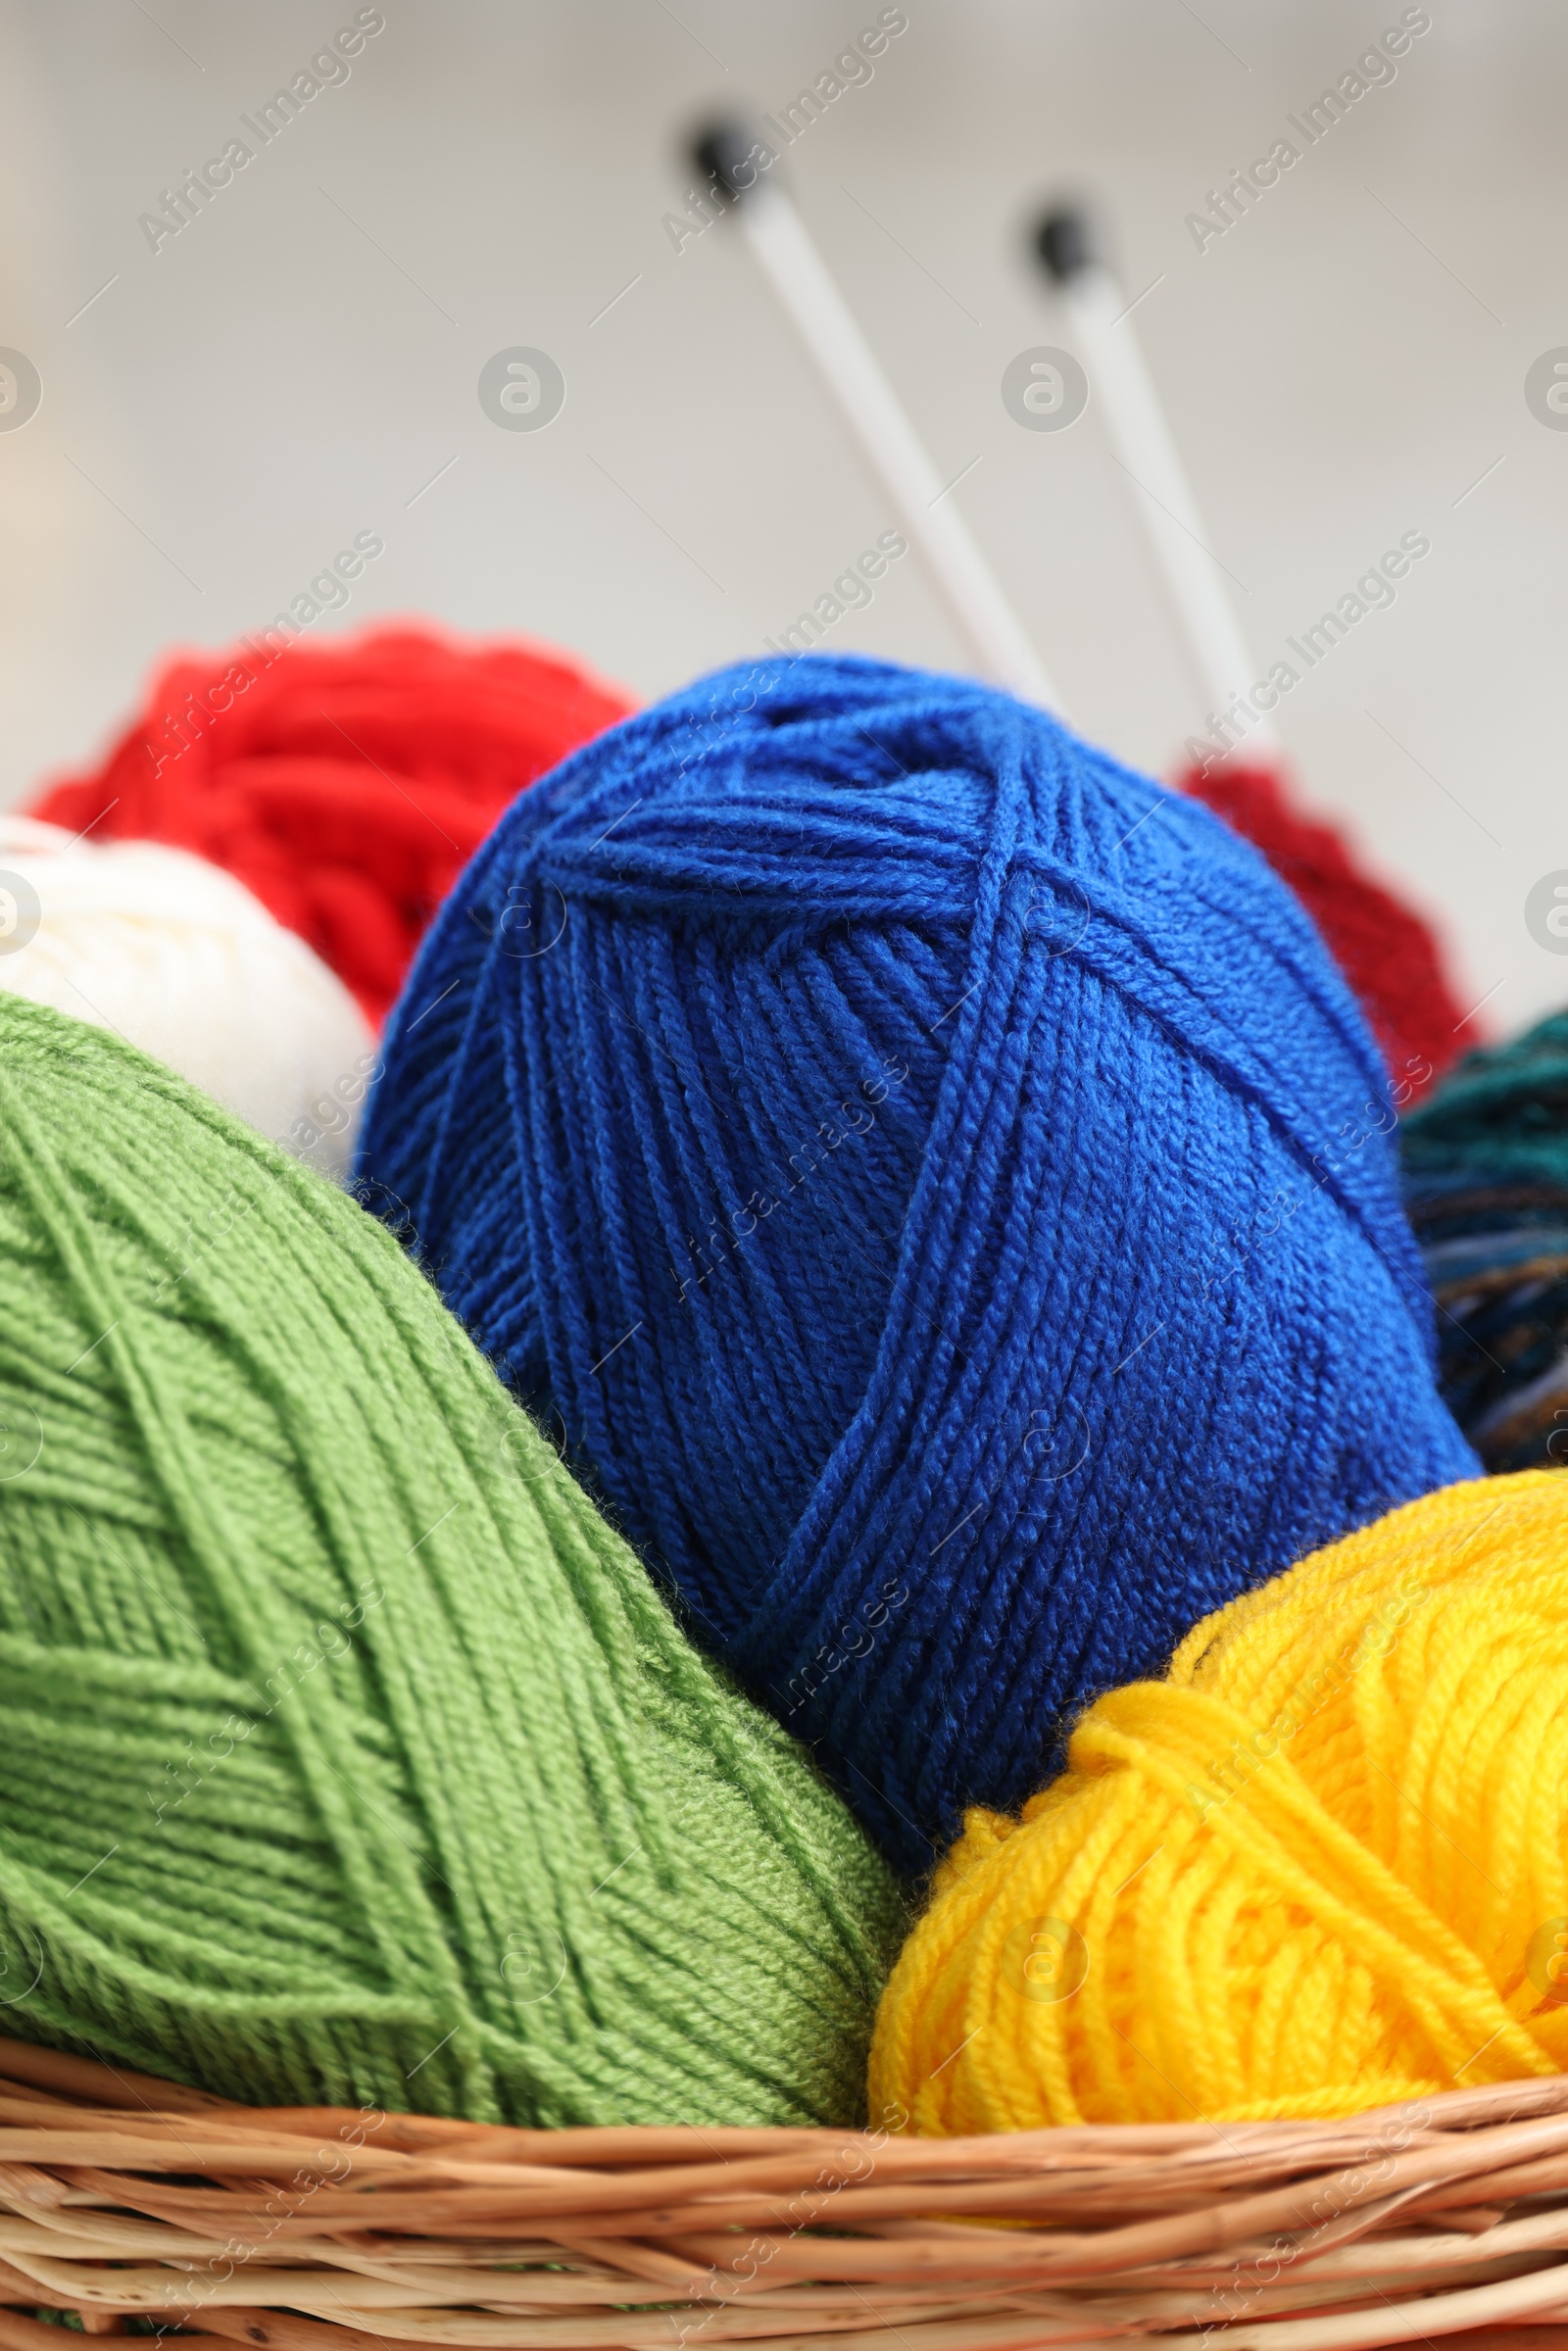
(1322, 1865)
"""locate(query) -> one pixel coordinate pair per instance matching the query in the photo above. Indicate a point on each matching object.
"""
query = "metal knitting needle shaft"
(1142, 441)
(779, 241)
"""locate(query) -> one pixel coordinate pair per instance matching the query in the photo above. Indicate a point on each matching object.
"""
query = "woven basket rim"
(328, 2229)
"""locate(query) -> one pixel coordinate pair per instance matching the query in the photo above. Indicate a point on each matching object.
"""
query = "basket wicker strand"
(323, 2229)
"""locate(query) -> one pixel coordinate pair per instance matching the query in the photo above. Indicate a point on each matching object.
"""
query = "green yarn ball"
(346, 1754)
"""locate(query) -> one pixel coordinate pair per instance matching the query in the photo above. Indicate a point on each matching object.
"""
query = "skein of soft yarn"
(181, 961)
(939, 1179)
(1487, 1182)
(1383, 947)
(1320, 1867)
(345, 783)
(345, 1754)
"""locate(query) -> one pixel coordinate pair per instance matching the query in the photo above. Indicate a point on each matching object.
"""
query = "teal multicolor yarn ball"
(1486, 1164)
(346, 1755)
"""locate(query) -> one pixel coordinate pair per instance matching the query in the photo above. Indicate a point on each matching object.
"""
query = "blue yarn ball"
(939, 1191)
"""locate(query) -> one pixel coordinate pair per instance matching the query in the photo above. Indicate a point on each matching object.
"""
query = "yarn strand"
(942, 1191)
(348, 1754)
(1317, 1867)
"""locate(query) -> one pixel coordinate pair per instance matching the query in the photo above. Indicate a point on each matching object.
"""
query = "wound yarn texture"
(940, 1189)
(1486, 1164)
(177, 957)
(1321, 1867)
(344, 782)
(346, 1755)
(1384, 948)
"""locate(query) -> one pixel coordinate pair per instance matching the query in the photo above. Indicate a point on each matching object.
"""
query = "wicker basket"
(320, 2229)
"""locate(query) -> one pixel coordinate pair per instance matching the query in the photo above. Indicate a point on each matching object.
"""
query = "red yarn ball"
(1384, 950)
(346, 783)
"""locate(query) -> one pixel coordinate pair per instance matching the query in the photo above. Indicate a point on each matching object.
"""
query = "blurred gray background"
(300, 363)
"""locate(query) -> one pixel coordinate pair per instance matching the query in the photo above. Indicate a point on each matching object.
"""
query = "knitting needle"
(1141, 440)
(779, 243)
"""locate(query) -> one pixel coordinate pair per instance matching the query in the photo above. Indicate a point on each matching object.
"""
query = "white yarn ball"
(180, 959)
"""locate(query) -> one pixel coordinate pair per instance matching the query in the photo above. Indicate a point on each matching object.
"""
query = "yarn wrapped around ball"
(346, 1754)
(181, 961)
(1384, 948)
(940, 1188)
(346, 782)
(1486, 1164)
(1321, 1867)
